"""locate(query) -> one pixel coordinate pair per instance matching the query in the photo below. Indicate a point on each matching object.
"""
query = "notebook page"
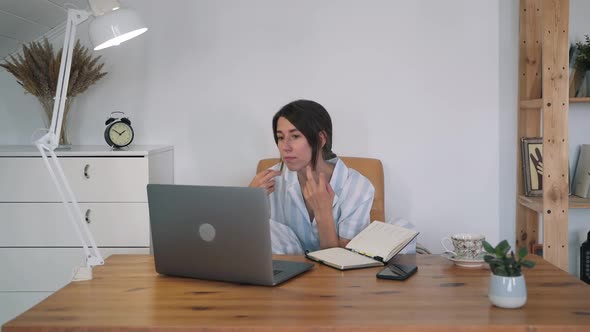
(342, 258)
(380, 239)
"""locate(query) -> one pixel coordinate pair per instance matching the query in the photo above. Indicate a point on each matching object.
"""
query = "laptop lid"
(210, 232)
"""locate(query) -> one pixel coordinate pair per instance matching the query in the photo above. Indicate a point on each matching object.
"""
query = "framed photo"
(532, 163)
(537, 249)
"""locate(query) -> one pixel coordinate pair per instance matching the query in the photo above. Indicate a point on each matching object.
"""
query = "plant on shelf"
(507, 286)
(582, 66)
(582, 62)
(37, 71)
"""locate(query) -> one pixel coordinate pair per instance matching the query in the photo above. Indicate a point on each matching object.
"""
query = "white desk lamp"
(111, 26)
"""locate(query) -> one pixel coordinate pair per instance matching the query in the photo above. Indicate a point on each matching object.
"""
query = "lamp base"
(83, 273)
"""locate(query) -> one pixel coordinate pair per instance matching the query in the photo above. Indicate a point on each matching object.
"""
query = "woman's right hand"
(265, 179)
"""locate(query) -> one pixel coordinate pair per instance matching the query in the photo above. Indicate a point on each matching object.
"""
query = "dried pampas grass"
(37, 71)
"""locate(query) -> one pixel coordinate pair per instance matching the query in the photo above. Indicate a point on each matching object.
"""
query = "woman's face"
(293, 146)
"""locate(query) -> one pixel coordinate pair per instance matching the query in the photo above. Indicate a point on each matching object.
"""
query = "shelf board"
(531, 104)
(538, 103)
(536, 203)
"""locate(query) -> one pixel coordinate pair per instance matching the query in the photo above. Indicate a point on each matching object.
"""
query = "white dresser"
(39, 248)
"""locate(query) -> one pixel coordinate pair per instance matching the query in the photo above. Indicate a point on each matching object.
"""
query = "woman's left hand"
(319, 195)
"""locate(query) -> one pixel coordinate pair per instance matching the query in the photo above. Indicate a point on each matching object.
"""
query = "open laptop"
(215, 233)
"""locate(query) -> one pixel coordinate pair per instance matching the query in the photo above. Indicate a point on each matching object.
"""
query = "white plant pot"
(507, 292)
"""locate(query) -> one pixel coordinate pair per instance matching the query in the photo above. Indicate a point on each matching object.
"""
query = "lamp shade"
(115, 27)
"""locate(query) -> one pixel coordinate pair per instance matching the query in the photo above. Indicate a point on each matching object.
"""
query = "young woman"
(316, 201)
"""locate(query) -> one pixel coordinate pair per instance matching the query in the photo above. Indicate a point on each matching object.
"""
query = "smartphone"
(397, 272)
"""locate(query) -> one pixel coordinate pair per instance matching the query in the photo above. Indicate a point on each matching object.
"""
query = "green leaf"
(522, 253)
(506, 264)
(528, 264)
(501, 271)
(488, 247)
(488, 258)
(510, 260)
(495, 261)
(502, 248)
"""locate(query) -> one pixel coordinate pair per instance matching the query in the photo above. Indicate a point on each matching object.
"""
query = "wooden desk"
(127, 295)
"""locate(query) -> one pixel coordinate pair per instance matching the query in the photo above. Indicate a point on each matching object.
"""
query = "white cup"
(464, 246)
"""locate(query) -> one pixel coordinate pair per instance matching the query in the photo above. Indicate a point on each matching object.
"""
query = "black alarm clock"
(118, 132)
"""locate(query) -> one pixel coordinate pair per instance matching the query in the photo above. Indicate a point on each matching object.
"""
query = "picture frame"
(537, 249)
(532, 164)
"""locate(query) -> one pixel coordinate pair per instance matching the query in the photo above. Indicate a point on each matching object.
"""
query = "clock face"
(120, 134)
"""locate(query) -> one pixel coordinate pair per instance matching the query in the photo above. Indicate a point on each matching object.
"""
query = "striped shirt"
(291, 231)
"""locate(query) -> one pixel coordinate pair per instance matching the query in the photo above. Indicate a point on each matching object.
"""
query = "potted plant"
(507, 285)
(582, 64)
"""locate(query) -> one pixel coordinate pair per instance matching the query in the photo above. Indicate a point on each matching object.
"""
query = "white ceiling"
(23, 21)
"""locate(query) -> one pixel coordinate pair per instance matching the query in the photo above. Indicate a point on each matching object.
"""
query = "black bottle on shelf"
(585, 261)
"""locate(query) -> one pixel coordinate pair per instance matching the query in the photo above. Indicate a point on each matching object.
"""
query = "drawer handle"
(87, 217)
(86, 175)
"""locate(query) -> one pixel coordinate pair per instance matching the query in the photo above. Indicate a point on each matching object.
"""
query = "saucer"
(464, 262)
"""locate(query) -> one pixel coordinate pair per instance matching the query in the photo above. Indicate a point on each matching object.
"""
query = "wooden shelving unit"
(543, 112)
(537, 104)
(536, 203)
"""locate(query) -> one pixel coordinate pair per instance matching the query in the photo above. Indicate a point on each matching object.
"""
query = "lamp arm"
(75, 17)
(93, 256)
(50, 141)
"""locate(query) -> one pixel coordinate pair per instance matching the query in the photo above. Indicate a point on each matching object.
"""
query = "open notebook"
(373, 246)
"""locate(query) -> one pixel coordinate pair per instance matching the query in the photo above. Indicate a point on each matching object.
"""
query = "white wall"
(508, 97)
(416, 84)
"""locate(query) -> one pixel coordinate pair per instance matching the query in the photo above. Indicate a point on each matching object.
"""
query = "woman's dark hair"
(310, 118)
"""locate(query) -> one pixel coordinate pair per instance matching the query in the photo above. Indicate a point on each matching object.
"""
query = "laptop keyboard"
(275, 272)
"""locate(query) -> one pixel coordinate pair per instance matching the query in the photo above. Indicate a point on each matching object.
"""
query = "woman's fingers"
(270, 175)
(319, 194)
(324, 184)
(265, 179)
(309, 175)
